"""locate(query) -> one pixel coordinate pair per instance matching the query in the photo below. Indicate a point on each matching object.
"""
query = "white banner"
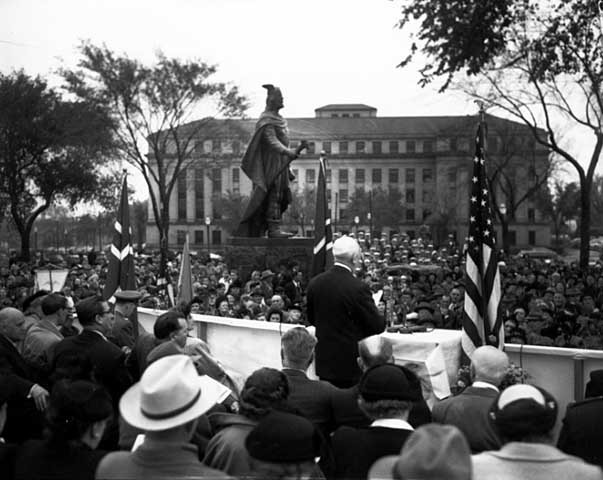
(51, 280)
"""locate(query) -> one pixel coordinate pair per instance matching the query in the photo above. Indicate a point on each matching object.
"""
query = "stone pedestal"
(246, 254)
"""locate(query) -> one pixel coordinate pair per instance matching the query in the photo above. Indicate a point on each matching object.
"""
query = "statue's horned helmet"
(274, 95)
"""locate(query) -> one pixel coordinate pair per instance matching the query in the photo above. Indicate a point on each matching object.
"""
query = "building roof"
(345, 106)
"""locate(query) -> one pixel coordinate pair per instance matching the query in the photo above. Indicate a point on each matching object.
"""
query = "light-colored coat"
(531, 461)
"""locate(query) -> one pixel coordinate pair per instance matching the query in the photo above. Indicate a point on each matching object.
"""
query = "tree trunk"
(25, 254)
(164, 228)
(585, 189)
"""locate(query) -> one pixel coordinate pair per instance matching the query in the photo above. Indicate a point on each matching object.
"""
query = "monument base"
(256, 253)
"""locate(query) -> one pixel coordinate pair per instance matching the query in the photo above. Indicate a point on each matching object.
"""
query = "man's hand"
(303, 145)
(40, 397)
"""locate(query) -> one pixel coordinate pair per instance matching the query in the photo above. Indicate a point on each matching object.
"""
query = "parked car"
(543, 254)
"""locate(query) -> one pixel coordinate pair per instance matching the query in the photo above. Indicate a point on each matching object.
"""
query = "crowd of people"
(413, 283)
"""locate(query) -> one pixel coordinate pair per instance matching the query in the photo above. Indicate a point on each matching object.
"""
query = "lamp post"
(207, 225)
(369, 215)
(301, 220)
(356, 222)
(504, 234)
(36, 239)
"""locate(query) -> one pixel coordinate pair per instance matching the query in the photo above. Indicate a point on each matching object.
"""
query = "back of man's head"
(52, 303)
(88, 308)
(297, 348)
(167, 323)
(489, 364)
(346, 250)
(33, 302)
(374, 350)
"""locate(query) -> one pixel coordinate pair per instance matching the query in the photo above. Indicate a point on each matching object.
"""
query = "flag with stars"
(482, 324)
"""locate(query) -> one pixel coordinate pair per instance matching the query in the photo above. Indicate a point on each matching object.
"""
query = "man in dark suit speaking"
(342, 309)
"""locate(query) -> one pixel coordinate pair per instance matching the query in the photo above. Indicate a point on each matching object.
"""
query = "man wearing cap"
(342, 309)
(125, 325)
(469, 410)
(386, 393)
(166, 404)
(524, 417)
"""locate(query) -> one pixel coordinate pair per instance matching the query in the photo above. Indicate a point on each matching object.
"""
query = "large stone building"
(427, 159)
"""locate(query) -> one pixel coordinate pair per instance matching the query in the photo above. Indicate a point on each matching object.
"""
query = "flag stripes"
(120, 275)
(185, 279)
(482, 324)
(323, 235)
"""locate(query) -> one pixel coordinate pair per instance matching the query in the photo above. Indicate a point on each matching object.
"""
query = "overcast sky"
(317, 51)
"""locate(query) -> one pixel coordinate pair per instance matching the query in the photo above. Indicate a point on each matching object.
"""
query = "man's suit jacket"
(313, 398)
(531, 461)
(23, 419)
(347, 412)
(355, 450)
(343, 311)
(582, 431)
(469, 412)
(108, 360)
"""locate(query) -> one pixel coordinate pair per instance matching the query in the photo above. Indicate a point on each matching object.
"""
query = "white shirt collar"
(392, 423)
(343, 266)
(479, 384)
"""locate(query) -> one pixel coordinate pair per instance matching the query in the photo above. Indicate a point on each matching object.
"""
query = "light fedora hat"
(170, 393)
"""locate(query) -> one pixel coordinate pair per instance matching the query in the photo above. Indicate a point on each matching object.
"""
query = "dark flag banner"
(185, 280)
(482, 324)
(323, 234)
(120, 275)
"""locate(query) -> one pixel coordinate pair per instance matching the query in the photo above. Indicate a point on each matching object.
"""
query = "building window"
(531, 237)
(427, 196)
(216, 237)
(311, 148)
(531, 215)
(410, 195)
(360, 176)
(377, 148)
(376, 175)
(426, 214)
(216, 181)
(453, 144)
(452, 175)
(410, 175)
(356, 115)
(199, 193)
(427, 175)
(180, 237)
(334, 115)
(512, 237)
(236, 147)
(410, 214)
(216, 146)
(326, 146)
(329, 193)
(236, 175)
(199, 147)
(394, 146)
(343, 195)
(410, 146)
(310, 176)
(343, 175)
(199, 236)
(345, 115)
(182, 195)
(427, 146)
(295, 174)
(360, 147)
(328, 175)
(393, 175)
(343, 214)
(343, 147)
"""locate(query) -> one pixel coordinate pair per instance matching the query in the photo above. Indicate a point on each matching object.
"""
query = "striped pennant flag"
(323, 234)
(121, 259)
(482, 324)
(185, 280)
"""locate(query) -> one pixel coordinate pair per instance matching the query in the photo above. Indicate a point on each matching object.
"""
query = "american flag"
(185, 280)
(323, 234)
(121, 261)
(482, 324)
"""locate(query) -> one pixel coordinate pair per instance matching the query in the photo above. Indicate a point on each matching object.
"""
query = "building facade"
(428, 160)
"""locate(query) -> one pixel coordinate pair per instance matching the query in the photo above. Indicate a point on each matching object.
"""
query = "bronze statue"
(266, 162)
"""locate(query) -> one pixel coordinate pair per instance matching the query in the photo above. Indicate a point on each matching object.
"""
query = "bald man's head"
(374, 350)
(489, 364)
(12, 324)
